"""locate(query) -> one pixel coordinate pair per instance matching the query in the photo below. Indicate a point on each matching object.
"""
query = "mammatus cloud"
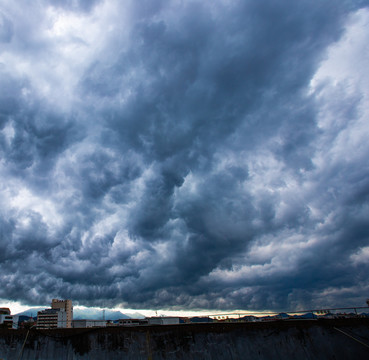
(184, 155)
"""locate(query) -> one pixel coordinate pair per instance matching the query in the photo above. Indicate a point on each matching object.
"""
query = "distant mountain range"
(32, 312)
(88, 313)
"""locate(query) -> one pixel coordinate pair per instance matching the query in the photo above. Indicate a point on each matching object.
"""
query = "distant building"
(51, 319)
(111, 323)
(26, 322)
(59, 316)
(249, 318)
(163, 320)
(65, 305)
(201, 319)
(86, 323)
(132, 322)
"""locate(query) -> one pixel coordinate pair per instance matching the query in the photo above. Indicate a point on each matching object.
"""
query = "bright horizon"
(16, 308)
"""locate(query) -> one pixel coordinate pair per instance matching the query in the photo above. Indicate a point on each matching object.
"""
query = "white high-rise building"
(51, 319)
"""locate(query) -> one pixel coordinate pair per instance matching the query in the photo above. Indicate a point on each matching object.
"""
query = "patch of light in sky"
(14, 306)
(347, 60)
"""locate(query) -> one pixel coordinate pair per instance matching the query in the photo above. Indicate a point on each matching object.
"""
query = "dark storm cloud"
(33, 133)
(180, 155)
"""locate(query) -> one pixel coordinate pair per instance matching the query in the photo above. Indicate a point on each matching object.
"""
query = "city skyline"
(184, 155)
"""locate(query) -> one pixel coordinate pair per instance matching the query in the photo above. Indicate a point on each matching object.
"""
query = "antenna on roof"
(104, 314)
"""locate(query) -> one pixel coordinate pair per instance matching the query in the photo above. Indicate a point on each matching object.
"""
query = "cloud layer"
(184, 155)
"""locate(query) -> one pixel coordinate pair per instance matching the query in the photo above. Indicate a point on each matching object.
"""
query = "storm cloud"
(185, 155)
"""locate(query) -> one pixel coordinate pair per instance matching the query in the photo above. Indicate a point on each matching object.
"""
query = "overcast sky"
(185, 154)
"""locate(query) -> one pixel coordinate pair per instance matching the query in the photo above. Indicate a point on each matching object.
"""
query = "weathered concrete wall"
(275, 340)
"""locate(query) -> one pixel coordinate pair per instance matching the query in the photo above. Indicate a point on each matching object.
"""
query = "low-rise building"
(111, 323)
(87, 323)
(132, 322)
(10, 321)
(163, 320)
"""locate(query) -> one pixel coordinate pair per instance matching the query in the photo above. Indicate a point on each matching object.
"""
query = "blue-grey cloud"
(185, 155)
(6, 28)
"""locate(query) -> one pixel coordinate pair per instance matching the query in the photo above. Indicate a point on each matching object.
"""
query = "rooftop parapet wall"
(301, 339)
